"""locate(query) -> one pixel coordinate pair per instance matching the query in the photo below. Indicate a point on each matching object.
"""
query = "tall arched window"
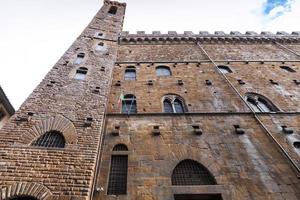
(79, 58)
(190, 172)
(163, 71)
(117, 183)
(81, 73)
(288, 69)
(174, 104)
(51, 139)
(260, 103)
(130, 73)
(129, 104)
(113, 10)
(224, 69)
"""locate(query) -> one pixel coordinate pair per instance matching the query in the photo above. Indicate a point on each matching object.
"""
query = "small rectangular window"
(113, 10)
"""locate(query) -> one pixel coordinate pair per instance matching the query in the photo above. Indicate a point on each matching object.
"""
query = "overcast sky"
(35, 33)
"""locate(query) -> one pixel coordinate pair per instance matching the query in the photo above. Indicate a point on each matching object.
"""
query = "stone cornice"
(218, 37)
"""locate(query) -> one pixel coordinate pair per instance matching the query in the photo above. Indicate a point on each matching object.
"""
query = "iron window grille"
(117, 184)
(51, 139)
(189, 172)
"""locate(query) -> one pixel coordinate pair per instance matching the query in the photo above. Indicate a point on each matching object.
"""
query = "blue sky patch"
(271, 4)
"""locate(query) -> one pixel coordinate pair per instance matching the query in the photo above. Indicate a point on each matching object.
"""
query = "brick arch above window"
(25, 190)
(57, 123)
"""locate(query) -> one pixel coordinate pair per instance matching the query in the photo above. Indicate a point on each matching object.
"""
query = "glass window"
(163, 71)
(173, 104)
(130, 73)
(178, 106)
(168, 108)
(129, 104)
(224, 69)
(79, 58)
(260, 103)
(81, 73)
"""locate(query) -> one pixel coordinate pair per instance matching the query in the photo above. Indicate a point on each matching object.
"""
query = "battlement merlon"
(215, 34)
(114, 3)
(189, 36)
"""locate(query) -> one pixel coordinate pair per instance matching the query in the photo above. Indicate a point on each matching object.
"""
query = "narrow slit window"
(113, 10)
(79, 58)
(81, 73)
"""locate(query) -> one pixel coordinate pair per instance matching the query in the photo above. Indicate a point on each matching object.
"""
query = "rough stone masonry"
(159, 117)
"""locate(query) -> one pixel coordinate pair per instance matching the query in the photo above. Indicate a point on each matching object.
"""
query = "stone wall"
(63, 103)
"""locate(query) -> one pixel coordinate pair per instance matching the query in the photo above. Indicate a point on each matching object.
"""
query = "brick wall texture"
(262, 163)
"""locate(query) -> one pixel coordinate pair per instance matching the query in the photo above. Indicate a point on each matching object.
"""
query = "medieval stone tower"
(159, 117)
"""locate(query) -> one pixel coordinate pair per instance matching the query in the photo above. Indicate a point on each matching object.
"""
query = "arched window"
(23, 197)
(190, 172)
(51, 139)
(130, 73)
(260, 103)
(120, 147)
(81, 73)
(113, 10)
(100, 47)
(79, 58)
(168, 108)
(224, 69)
(117, 183)
(129, 104)
(288, 69)
(173, 104)
(163, 71)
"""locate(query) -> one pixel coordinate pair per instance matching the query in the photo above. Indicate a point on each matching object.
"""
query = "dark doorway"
(197, 197)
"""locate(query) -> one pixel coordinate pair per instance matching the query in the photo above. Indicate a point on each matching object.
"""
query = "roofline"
(5, 101)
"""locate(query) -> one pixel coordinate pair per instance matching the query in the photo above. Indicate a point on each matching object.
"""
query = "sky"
(34, 34)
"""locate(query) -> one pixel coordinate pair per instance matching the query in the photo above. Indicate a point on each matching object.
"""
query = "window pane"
(130, 74)
(263, 106)
(168, 106)
(117, 183)
(129, 106)
(80, 76)
(163, 71)
(178, 106)
(253, 104)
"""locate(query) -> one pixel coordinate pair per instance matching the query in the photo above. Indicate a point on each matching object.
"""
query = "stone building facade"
(159, 117)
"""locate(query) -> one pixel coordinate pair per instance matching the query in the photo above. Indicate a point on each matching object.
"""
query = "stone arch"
(25, 189)
(56, 123)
